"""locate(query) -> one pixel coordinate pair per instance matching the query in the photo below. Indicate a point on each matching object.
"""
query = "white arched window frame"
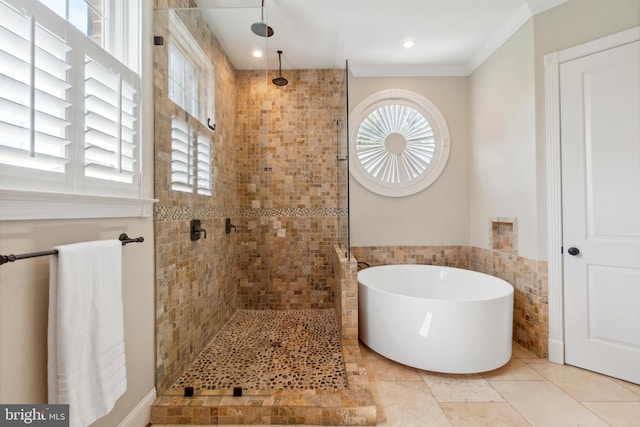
(399, 143)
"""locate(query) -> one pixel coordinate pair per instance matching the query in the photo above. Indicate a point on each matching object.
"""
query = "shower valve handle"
(195, 230)
(228, 226)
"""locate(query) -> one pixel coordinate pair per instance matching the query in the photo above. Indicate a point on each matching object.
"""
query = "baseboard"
(141, 414)
(556, 352)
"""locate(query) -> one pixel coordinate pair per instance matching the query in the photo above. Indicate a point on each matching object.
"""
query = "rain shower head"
(280, 81)
(261, 28)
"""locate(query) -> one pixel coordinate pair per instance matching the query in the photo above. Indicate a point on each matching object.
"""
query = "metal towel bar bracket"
(11, 258)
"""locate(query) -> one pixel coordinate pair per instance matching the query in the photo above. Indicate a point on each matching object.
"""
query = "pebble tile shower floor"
(262, 350)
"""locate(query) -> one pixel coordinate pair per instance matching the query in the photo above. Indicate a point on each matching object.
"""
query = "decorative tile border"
(293, 212)
(183, 213)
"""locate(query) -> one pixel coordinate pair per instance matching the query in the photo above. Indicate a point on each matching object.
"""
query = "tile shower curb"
(354, 406)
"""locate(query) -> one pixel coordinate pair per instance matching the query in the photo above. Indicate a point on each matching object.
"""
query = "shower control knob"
(573, 251)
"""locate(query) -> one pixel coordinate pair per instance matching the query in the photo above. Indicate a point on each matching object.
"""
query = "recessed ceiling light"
(257, 53)
(408, 44)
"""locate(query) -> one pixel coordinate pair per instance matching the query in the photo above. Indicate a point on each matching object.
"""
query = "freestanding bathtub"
(439, 319)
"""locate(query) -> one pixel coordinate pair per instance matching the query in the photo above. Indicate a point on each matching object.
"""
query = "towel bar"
(11, 258)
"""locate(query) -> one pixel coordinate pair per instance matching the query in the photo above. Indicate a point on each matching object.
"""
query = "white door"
(600, 138)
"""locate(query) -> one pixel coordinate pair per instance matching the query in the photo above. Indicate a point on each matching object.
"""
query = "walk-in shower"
(251, 310)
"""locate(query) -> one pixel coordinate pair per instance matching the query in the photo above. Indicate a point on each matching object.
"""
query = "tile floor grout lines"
(561, 397)
(564, 396)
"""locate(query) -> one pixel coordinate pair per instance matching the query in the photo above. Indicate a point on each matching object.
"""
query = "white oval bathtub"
(439, 319)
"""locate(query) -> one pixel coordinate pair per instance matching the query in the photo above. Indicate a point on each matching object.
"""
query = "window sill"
(33, 205)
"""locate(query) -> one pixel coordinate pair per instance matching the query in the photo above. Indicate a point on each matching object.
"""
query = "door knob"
(573, 251)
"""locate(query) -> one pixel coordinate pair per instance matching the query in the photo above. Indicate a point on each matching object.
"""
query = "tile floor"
(300, 350)
(528, 391)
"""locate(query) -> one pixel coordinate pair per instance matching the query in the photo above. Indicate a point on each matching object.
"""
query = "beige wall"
(568, 25)
(502, 168)
(24, 299)
(496, 118)
(507, 118)
(438, 215)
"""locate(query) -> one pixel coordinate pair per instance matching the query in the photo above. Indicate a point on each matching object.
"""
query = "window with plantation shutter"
(70, 101)
(203, 146)
(400, 144)
(190, 87)
(110, 124)
(190, 159)
(34, 65)
(182, 167)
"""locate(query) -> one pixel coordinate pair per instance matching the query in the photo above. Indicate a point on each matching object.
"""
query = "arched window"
(399, 143)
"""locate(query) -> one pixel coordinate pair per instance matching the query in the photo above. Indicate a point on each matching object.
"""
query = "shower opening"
(253, 310)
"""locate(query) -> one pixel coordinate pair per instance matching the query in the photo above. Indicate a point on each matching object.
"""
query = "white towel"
(86, 359)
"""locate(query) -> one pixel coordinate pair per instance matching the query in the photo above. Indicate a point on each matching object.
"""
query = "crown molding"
(409, 71)
(522, 15)
(529, 9)
(539, 6)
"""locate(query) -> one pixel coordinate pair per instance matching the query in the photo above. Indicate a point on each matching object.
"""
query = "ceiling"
(451, 37)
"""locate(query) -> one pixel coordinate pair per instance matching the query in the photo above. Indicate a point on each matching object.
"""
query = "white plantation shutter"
(110, 124)
(401, 143)
(203, 145)
(70, 109)
(190, 159)
(182, 160)
(34, 66)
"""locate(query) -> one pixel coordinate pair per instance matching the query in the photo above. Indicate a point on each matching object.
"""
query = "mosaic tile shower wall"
(528, 277)
(274, 174)
(196, 289)
(287, 188)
